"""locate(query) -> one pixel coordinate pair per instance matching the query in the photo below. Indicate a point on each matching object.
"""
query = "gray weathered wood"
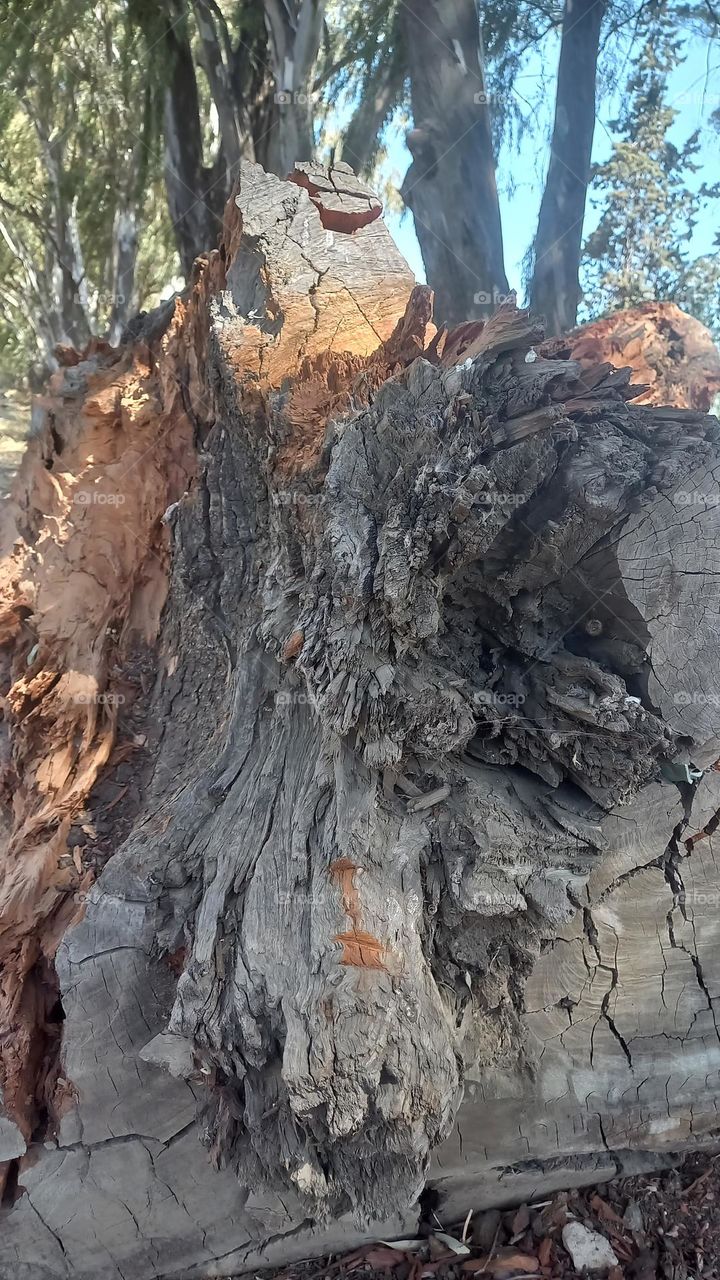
(407, 895)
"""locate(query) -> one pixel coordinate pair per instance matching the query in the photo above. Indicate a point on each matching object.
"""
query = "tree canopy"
(123, 123)
(648, 195)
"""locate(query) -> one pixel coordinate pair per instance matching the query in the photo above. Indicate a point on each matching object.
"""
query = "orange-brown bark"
(83, 586)
(671, 353)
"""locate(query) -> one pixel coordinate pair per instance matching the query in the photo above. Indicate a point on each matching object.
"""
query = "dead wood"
(669, 352)
(349, 756)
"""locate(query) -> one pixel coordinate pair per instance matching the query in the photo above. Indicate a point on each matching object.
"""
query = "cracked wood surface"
(392, 889)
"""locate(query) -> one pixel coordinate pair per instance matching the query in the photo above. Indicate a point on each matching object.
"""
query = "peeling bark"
(382, 879)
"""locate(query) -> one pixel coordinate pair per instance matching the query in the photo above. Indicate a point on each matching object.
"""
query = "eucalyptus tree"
(80, 176)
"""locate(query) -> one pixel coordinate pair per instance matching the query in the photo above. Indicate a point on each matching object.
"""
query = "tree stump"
(359, 725)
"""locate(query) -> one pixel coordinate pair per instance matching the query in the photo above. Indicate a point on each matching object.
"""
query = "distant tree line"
(123, 123)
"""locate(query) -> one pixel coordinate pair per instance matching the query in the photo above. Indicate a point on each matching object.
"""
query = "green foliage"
(81, 123)
(363, 48)
(700, 294)
(80, 132)
(649, 201)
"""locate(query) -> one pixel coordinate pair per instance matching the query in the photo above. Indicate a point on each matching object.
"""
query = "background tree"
(84, 234)
(649, 204)
(555, 285)
(451, 185)
(123, 125)
(237, 83)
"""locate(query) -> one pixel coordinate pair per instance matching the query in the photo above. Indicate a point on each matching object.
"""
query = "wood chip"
(429, 800)
(506, 1262)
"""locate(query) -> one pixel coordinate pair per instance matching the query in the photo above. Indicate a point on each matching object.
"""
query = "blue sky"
(692, 91)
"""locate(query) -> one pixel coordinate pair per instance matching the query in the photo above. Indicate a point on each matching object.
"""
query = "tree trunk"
(555, 287)
(217, 70)
(294, 34)
(358, 689)
(39, 287)
(124, 262)
(450, 186)
(262, 91)
(196, 192)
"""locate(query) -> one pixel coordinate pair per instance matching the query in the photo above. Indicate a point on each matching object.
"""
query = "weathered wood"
(383, 880)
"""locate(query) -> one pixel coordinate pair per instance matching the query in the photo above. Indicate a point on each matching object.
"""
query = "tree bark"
(356, 708)
(45, 322)
(450, 186)
(124, 262)
(262, 91)
(196, 192)
(217, 57)
(555, 286)
(294, 34)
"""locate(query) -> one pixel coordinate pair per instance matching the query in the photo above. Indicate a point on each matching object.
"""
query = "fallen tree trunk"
(359, 726)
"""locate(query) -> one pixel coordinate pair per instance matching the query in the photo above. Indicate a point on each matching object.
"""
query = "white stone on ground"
(588, 1249)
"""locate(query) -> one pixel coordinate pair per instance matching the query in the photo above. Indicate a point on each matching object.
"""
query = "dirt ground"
(14, 428)
(664, 1225)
